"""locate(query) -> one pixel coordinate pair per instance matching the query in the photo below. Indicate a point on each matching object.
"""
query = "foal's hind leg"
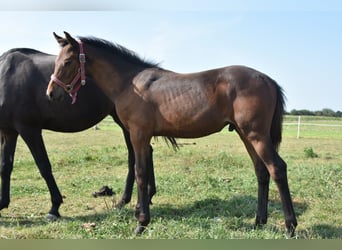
(8, 141)
(277, 170)
(263, 188)
(263, 178)
(34, 141)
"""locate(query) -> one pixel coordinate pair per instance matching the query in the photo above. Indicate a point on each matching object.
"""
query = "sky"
(297, 44)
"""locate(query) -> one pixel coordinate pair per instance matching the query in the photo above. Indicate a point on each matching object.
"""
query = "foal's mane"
(127, 55)
(118, 50)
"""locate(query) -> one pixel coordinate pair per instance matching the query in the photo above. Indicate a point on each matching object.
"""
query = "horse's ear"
(61, 41)
(71, 40)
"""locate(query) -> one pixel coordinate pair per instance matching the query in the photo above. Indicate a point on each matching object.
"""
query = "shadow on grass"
(238, 206)
(321, 231)
(22, 221)
(237, 209)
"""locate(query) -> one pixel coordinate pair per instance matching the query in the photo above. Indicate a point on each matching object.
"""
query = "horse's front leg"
(34, 141)
(8, 141)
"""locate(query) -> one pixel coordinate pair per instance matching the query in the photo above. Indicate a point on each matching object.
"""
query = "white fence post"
(298, 128)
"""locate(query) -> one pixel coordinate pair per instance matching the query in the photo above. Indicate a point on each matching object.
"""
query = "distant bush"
(323, 112)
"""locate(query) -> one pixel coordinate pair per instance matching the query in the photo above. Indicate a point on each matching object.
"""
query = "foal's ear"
(71, 40)
(61, 41)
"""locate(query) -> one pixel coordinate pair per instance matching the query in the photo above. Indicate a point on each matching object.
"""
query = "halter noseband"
(73, 87)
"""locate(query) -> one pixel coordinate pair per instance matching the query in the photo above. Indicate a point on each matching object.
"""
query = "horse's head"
(69, 73)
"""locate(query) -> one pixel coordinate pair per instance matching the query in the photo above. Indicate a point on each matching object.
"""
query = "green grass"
(206, 190)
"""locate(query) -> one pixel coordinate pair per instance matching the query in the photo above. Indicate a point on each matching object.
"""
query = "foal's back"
(198, 104)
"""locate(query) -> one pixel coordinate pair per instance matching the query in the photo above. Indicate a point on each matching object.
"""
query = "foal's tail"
(277, 120)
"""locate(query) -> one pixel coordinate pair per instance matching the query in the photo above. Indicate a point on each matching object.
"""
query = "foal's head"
(69, 73)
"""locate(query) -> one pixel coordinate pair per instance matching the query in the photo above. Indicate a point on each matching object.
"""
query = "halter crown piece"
(73, 87)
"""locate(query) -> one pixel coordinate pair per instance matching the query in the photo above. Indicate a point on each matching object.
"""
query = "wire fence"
(314, 125)
(298, 126)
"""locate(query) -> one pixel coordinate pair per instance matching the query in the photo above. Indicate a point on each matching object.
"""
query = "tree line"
(323, 112)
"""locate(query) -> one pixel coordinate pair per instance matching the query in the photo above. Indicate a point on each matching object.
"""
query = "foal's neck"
(110, 72)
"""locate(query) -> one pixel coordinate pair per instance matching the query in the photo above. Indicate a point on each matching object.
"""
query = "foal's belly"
(191, 126)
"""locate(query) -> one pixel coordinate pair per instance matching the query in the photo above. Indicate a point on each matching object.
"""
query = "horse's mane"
(25, 51)
(118, 50)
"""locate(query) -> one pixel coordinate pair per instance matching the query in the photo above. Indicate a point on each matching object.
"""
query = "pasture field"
(206, 190)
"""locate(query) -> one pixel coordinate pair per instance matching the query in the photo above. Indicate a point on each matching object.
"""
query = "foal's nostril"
(50, 95)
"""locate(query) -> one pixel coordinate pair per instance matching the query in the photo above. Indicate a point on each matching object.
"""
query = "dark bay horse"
(25, 110)
(151, 101)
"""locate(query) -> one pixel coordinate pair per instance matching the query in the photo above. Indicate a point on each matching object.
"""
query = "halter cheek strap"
(73, 87)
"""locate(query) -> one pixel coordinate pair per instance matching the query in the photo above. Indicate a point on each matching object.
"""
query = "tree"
(328, 112)
(323, 112)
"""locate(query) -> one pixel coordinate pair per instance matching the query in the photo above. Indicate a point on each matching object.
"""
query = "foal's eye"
(67, 63)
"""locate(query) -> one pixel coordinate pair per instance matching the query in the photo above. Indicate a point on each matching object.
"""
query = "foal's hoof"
(52, 217)
(120, 204)
(290, 232)
(260, 221)
(139, 230)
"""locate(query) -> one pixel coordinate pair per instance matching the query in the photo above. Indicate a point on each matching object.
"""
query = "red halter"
(73, 87)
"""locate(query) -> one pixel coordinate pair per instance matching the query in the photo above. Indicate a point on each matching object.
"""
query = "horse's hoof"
(139, 230)
(52, 217)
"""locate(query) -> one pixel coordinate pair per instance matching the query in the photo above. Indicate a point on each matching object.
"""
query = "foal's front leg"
(127, 195)
(141, 151)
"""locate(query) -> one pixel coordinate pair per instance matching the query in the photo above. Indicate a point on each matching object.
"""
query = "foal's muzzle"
(51, 91)
(78, 81)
